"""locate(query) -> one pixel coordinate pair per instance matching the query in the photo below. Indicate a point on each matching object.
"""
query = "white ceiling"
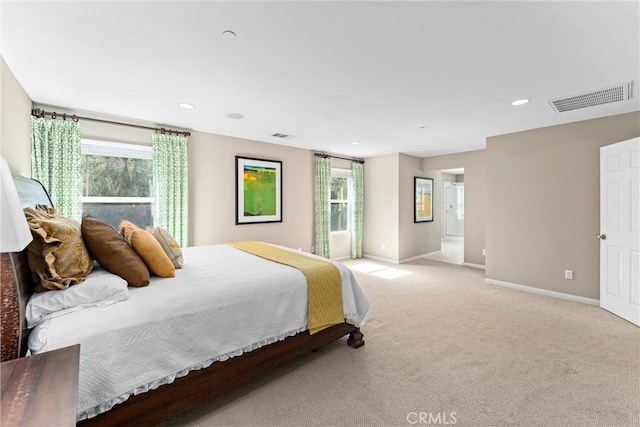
(422, 78)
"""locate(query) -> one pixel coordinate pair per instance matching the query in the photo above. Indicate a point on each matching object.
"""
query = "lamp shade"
(16, 234)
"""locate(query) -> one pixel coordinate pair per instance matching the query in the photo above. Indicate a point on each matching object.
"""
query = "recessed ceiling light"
(228, 34)
(235, 116)
(355, 143)
(186, 106)
(520, 101)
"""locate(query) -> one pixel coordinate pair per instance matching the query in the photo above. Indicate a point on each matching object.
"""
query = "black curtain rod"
(351, 159)
(64, 116)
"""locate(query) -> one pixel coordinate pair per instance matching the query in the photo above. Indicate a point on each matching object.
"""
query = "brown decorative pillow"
(112, 252)
(148, 248)
(169, 245)
(57, 255)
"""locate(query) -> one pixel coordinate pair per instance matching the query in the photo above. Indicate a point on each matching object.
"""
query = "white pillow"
(100, 288)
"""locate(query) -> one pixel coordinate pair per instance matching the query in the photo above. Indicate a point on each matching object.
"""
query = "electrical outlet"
(384, 246)
(568, 274)
(484, 252)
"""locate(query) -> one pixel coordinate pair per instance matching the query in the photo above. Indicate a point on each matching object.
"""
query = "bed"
(173, 344)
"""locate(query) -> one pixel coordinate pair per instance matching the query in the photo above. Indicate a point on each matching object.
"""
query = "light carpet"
(442, 347)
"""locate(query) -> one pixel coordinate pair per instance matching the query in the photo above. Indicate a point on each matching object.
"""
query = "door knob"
(602, 236)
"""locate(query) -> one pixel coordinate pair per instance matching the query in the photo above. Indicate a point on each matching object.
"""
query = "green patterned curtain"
(171, 185)
(56, 161)
(357, 176)
(322, 191)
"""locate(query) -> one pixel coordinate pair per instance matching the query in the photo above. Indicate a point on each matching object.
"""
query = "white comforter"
(222, 303)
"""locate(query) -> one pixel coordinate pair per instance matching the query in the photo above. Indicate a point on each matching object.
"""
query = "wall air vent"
(282, 136)
(621, 92)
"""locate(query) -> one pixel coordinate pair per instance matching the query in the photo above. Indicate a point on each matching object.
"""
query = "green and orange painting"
(259, 190)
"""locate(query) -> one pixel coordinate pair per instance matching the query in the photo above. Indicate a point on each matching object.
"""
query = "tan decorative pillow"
(113, 253)
(169, 244)
(57, 255)
(126, 228)
(148, 248)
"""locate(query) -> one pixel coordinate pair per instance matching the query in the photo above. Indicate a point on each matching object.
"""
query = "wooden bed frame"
(170, 399)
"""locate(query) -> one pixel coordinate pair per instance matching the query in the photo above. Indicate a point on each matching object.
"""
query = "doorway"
(454, 209)
(451, 201)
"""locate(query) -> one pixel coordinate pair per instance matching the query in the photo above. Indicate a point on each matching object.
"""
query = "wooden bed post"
(14, 292)
(356, 339)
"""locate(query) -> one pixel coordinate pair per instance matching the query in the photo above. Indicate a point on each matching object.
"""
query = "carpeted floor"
(442, 347)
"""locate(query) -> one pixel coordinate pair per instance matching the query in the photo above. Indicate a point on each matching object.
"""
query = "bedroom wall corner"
(415, 239)
(543, 203)
(381, 209)
(15, 122)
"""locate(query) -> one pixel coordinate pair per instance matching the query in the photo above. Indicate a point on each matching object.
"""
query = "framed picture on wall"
(423, 199)
(258, 190)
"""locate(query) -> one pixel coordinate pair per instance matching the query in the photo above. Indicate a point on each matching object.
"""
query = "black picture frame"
(422, 199)
(258, 190)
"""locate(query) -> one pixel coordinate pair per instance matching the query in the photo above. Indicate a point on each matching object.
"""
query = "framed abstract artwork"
(258, 190)
(423, 199)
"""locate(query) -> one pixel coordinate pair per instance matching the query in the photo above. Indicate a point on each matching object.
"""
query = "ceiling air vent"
(282, 136)
(622, 92)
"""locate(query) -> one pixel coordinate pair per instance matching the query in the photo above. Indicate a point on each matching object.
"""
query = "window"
(341, 195)
(117, 182)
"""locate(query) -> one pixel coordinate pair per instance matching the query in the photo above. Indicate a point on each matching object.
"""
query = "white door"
(620, 229)
(454, 209)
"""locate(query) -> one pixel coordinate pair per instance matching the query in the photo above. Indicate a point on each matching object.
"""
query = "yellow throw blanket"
(324, 286)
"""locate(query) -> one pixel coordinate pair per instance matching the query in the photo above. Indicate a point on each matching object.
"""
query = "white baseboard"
(416, 257)
(393, 261)
(340, 258)
(377, 258)
(545, 292)
(472, 265)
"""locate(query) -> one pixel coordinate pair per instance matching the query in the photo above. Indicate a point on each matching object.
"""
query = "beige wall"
(389, 230)
(475, 195)
(15, 122)
(212, 192)
(415, 239)
(543, 203)
(340, 245)
(381, 215)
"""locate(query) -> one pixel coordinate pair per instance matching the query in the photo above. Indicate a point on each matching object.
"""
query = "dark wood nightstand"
(41, 390)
